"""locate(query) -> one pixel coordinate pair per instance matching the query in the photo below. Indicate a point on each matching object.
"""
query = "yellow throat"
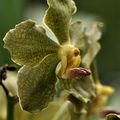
(70, 58)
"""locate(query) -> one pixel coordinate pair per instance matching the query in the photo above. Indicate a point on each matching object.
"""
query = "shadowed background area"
(14, 11)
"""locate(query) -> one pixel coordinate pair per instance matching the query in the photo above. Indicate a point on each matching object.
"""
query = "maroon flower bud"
(76, 72)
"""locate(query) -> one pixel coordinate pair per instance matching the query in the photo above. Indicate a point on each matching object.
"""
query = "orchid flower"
(39, 56)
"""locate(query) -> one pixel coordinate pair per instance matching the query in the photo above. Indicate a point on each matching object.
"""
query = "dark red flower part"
(77, 72)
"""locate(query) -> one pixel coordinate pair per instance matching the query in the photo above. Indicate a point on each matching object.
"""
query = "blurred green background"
(14, 11)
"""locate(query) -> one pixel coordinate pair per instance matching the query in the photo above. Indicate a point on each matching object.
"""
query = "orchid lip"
(77, 72)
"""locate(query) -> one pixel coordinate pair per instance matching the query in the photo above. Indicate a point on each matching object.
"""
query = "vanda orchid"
(50, 68)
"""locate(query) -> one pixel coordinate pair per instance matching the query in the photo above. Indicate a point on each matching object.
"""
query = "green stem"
(62, 110)
(10, 108)
(10, 103)
(95, 72)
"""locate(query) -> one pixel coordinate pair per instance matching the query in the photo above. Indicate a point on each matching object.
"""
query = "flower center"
(70, 58)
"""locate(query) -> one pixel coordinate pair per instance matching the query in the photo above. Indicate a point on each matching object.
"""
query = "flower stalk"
(94, 70)
(11, 100)
(62, 110)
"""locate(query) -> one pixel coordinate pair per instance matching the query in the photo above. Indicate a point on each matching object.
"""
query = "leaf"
(36, 85)
(58, 18)
(28, 43)
(112, 117)
(78, 37)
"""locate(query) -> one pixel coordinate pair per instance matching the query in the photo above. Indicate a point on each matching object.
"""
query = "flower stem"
(62, 110)
(11, 101)
(10, 108)
(94, 70)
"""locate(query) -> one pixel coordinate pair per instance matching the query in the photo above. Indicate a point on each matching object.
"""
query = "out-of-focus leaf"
(28, 43)
(77, 36)
(58, 18)
(113, 117)
(36, 85)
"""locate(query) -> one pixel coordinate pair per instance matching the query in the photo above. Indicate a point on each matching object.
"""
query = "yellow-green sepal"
(36, 84)
(58, 17)
(78, 37)
(28, 43)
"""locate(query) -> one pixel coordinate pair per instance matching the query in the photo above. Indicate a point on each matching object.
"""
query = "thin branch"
(5, 90)
(11, 101)
(95, 72)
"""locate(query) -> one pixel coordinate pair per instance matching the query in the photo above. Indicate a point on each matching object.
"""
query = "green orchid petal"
(86, 41)
(92, 35)
(93, 31)
(81, 88)
(28, 43)
(91, 53)
(77, 36)
(113, 117)
(36, 85)
(58, 18)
